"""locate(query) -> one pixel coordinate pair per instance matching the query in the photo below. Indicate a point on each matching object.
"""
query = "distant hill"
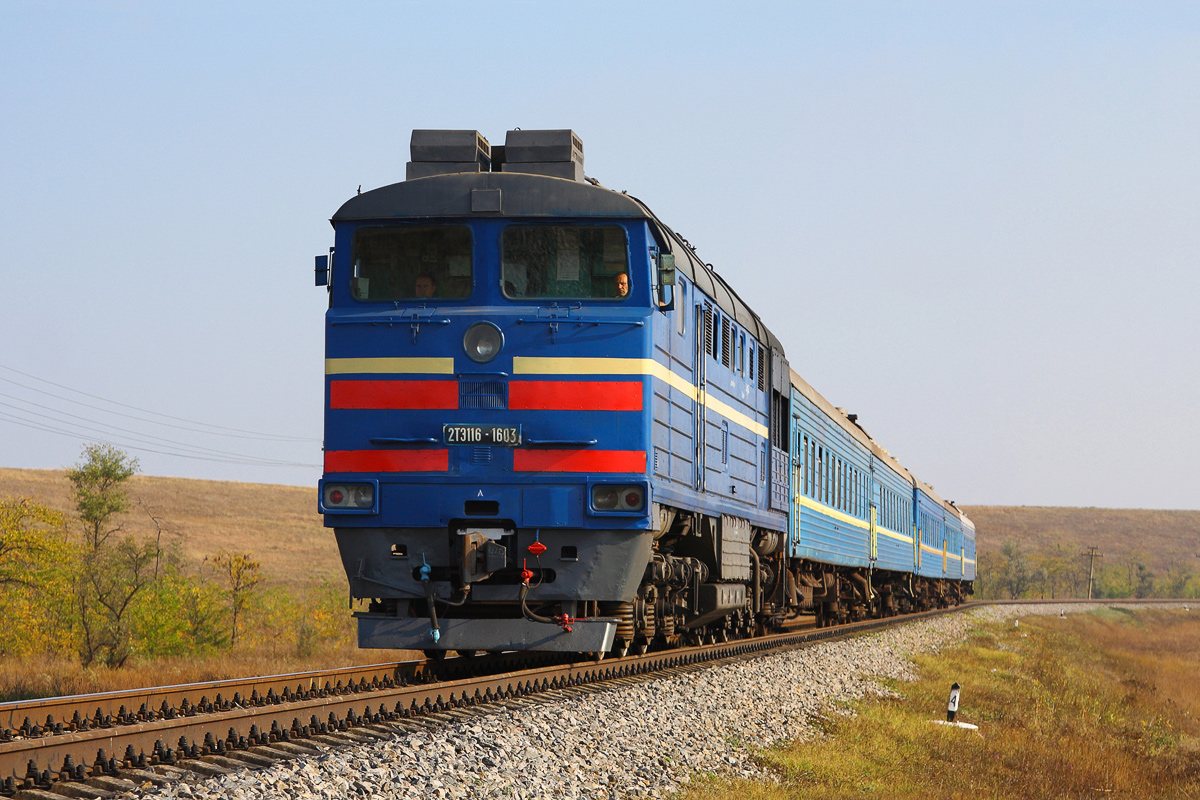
(281, 527)
(278, 524)
(1160, 537)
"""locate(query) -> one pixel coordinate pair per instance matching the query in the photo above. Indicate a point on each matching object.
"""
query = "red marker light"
(537, 548)
(336, 497)
(633, 499)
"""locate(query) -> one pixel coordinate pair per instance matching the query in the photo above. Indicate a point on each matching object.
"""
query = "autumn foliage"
(78, 593)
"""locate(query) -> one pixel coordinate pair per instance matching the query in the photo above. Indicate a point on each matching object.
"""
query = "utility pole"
(1092, 556)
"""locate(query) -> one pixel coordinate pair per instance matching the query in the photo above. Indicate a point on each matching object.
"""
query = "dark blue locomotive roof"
(524, 195)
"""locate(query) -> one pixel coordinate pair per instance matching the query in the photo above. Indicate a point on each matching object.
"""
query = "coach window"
(843, 485)
(819, 483)
(804, 464)
(411, 263)
(840, 499)
(826, 472)
(807, 485)
(834, 481)
(571, 262)
(827, 479)
(857, 494)
(814, 469)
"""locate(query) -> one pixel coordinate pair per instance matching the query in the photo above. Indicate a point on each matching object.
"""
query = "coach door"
(873, 546)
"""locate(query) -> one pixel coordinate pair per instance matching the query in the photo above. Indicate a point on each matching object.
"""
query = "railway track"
(103, 744)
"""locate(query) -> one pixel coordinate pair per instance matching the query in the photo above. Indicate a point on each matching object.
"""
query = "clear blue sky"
(976, 225)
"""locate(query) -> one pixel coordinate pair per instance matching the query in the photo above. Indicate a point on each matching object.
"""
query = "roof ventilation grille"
(558, 154)
(437, 152)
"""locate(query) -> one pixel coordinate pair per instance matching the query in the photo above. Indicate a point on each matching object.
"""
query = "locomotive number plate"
(502, 435)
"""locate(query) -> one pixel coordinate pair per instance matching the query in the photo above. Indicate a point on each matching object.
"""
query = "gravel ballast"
(643, 739)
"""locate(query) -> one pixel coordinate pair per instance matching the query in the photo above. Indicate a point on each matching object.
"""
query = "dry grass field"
(1160, 537)
(1091, 706)
(280, 527)
(278, 524)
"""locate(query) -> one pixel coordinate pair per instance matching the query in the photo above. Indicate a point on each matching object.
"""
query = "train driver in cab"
(622, 284)
(424, 287)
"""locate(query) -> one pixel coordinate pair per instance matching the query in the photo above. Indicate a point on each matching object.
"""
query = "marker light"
(618, 498)
(349, 495)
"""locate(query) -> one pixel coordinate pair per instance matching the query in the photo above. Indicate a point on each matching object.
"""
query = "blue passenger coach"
(550, 425)
(852, 541)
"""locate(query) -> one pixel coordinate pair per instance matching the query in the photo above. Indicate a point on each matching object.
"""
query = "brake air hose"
(435, 632)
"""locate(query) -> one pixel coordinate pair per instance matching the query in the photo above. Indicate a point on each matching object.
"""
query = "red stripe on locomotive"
(393, 394)
(579, 460)
(575, 395)
(387, 461)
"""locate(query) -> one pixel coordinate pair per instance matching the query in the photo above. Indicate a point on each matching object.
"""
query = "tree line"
(81, 587)
(1011, 573)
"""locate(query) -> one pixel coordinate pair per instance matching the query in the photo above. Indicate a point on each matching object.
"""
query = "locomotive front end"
(487, 406)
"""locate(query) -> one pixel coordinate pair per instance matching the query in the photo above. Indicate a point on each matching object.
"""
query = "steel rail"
(57, 715)
(201, 740)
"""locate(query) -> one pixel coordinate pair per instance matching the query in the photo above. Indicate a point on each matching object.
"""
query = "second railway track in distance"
(95, 745)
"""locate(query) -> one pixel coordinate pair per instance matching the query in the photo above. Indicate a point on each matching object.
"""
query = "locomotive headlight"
(349, 495)
(483, 342)
(606, 498)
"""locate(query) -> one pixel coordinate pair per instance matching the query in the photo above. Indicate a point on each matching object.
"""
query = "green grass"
(1099, 705)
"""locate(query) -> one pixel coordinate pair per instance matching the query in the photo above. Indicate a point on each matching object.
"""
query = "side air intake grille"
(708, 326)
(726, 341)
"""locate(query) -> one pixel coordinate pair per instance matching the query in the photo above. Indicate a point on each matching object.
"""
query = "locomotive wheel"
(436, 655)
(649, 614)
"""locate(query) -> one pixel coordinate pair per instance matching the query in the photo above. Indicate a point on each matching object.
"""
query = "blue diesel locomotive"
(550, 426)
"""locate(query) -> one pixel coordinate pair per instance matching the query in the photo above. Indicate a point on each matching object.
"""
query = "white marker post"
(952, 712)
(952, 708)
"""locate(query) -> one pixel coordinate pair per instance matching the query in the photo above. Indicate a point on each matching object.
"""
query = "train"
(550, 425)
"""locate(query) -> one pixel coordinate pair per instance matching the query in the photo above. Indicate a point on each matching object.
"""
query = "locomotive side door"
(684, 365)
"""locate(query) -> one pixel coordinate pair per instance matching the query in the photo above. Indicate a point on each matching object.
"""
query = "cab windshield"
(412, 263)
(565, 262)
